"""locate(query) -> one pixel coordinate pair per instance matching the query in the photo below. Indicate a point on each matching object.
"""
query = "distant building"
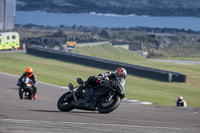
(7, 14)
(136, 47)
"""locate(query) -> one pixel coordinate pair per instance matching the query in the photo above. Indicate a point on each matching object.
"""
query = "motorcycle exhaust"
(74, 95)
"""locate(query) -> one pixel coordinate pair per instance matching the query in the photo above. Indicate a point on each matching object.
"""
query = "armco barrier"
(136, 70)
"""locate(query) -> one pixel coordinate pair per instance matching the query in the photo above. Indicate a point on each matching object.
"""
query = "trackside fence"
(147, 72)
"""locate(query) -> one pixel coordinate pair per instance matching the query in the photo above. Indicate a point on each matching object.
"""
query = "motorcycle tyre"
(21, 95)
(67, 107)
(30, 96)
(110, 108)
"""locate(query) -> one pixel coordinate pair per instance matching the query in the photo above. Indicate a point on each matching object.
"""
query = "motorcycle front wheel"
(64, 102)
(107, 107)
(21, 94)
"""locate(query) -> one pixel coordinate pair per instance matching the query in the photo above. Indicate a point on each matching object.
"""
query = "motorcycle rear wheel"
(30, 96)
(23, 95)
(63, 104)
(115, 102)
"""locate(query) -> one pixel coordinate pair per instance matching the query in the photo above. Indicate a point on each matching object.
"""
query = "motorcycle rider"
(181, 102)
(119, 75)
(29, 73)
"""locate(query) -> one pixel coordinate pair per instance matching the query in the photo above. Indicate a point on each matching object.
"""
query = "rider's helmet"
(180, 98)
(120, 73)
(29, 71)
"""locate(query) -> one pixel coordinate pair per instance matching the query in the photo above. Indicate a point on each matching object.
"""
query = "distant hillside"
(124, 7)
(162, 43)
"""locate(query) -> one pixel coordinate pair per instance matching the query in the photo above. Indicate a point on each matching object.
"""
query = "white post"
(170, 77)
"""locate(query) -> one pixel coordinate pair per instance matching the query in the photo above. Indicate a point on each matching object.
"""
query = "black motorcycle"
(25, 88)
(104, 97)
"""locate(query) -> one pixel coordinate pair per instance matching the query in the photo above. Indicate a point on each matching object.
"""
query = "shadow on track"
(73, 112)
(84, 111)
(44, 110)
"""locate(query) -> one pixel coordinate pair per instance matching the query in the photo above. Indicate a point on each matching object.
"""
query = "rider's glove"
(18, 83)
(101, 76)
(106, 74)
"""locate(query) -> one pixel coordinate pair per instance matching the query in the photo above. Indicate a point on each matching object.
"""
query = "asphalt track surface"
(42, 115)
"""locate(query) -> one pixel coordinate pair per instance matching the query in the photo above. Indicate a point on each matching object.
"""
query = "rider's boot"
(35, 97)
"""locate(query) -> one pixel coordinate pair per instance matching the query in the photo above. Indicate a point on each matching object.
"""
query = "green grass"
(109, 52)
(61, 73)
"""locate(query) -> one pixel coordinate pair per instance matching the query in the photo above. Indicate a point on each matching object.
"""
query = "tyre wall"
(147, 72)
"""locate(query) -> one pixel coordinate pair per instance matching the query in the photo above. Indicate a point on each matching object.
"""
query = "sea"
(106, 20)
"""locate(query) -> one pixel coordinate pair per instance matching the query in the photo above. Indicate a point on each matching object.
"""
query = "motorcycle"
(104, 97)
(25, 88)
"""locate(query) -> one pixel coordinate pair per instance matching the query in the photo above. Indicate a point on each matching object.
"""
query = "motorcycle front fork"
(110, 96)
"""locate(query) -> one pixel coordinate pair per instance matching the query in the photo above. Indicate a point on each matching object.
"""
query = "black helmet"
(120, 73)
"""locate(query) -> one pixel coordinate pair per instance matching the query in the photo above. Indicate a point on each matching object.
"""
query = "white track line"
(98, 124)
(63, 87)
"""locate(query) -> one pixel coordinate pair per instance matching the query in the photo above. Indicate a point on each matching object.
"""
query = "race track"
(42, 115)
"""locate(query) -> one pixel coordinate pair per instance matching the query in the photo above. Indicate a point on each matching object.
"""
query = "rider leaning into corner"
(29, 73)
(118, 77)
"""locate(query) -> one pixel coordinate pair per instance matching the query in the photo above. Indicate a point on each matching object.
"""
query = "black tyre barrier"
(147, 72)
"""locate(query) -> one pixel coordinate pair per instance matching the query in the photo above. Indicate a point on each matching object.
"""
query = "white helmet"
(180, 98)
(120, 73)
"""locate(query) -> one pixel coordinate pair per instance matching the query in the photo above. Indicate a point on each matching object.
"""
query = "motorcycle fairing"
(120, 88)
(89, 101)
(101, 91)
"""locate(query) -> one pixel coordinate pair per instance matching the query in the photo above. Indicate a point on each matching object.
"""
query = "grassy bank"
(61, 73)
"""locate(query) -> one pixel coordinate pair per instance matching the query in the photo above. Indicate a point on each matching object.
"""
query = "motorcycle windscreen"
(120, 86)
(26, 82)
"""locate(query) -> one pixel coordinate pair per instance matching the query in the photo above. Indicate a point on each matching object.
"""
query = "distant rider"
(181, 102)
(29, 73)
(119, 76)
